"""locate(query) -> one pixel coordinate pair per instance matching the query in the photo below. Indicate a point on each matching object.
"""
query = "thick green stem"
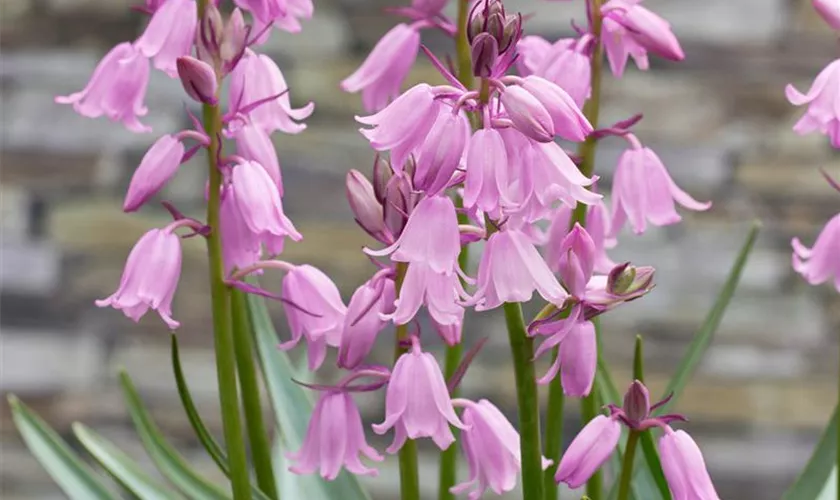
(627, 466)
(409, 473)
(462, 45)
(448, 472)
(522, 349)
(553, 433)
(222, 331)
(257, 435)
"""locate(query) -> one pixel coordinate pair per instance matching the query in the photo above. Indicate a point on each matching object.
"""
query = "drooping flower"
(402, 126)
(363, 320)
(158, 166)
(821, 262)
(822, 99)
(564, 63)
(684, 467)
(588, 451)
(644, 192)
(578, 359)
(439, 292)
(169, 35)
(255, 78)
(367, 209)
(510, 270)
(439, 156)
(829, 10)
(254, 143)
(150, 277)
(240, 247)
(487, 171)
(598, 228)
(258, 201)
(569, 121)
(417, 402)
(335, 438)
(314, 310)
(116, 89)
(380, 76)
(283, 14)
(528, 114)
(632, 30)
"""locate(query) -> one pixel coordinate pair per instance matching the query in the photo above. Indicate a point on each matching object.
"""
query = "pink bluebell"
(821, 262)
(169, 35)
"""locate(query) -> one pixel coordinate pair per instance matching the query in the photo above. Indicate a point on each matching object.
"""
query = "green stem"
(627, 466)
(409, 473)
(588, 411)
(449, 457)
(553, 433)
(222, 332)
(257, 435)
(522, 349)
(462, 45)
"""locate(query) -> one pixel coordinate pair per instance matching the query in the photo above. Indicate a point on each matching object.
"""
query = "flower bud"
(480, 19)
(234, 40)
(637, 402)
(627, 281)
(366, 209)
(209, 34)
(484, 51)
(528, 114)
(382, 173)
(398, 203)
(198, 79)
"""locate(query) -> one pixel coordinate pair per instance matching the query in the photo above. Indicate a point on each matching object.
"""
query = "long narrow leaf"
(121, 467)
(72, 475)
(170, 463)
(813, 483)
(292, 408)
(704, 336)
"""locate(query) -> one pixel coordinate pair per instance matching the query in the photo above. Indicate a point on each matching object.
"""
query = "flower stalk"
(627, 465)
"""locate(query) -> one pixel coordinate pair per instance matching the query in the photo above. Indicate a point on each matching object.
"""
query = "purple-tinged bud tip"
(209, 34)
(382, 173)
(637, 402)
(363, 202)
(198, 79)
(484, 51)
(629, 281)
(234, 40)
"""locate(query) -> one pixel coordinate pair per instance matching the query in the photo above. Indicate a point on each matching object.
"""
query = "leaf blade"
(813, 482)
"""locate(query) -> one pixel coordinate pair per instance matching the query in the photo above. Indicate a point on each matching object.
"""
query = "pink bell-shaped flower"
(150, 277)
(487, 171)
(684, 467)
(569, 121)
(440, 155)
(116, 89)
(283, 14)
(363, 321)
(510, 270)
(528, 114)
(563, 63)
(253, 143)
(588, 451)
(258, 201)
(578, 360)
(491, 447)
(829, 10)
(557, 178)
(643, 191)
(598, 228)
(417, 402)
(635, 30)
(431, 236)
(823, 100)
(158, 166)
(576, 260)
(314, 310)
(821, 262)
(379, 78)
(255, 78)
(403, 125)
(440, 292)
(335, 438)
(240, 247)
(169, 35)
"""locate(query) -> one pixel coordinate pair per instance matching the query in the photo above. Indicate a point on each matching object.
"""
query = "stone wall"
(719, 120)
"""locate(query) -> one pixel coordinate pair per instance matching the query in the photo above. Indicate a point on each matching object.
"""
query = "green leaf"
(168, 461)
(292, 408)
(121, 467)
(72, 475)
(703, 337)
(818, 480)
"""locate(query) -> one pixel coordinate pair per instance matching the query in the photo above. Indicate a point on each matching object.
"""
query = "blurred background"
(719, 120)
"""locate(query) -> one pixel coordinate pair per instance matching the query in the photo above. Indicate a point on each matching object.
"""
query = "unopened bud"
(628, 281)
(398, 203)
(234, 39)
(382, 173)
(198, 79)
(209, 34)
(511, 33)
(495, 25)
(363, 202)
(637, 402)
(484, 52)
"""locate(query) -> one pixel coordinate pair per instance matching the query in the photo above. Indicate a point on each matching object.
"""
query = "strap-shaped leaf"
(168, 461)
(704, 336)
(72, 475)
(817, 481)
(122, 468)
(292, 408)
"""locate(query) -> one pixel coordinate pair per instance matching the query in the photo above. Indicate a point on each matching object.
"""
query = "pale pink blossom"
(240, 247)
(169, 35)
(417, 402)
(254, 143)
(820, 263)
(116, 89)
(439, 156)
(598, 228)
(314, 310)
(564, 63)
(829, 10)
(632, 30)
(150, 277)
(439, 292)
(823, 100)
(380, 76)
(158, 166)
(569, 121)
(684, 467)
(258, 201)
(588, 451)
(335, 438)
(282, 14)
(487, 171)
(527, 113)
(363, 320)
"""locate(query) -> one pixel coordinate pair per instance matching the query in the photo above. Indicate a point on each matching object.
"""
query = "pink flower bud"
(829, 10)
(159, 164)
(653, 33)
(366, 208)
(820, 263)
(234, 40)
(209, 35)
(169, 35)
(528, 114)
(398, 203)
(334, 439)
(589, 451)
(198, 79)
(150, 277)
(484, 51)
(626, 281)
(382, 174)
(576, 260)
(116, 89)
(569, 121)
(441, 153)
(684, 467)
(417, 402)
(363, 321)
(637, 402)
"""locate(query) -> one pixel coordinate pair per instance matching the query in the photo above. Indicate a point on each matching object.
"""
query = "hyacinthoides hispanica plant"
(468, 164)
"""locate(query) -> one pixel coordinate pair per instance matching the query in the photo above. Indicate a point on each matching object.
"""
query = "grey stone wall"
(719, 120)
